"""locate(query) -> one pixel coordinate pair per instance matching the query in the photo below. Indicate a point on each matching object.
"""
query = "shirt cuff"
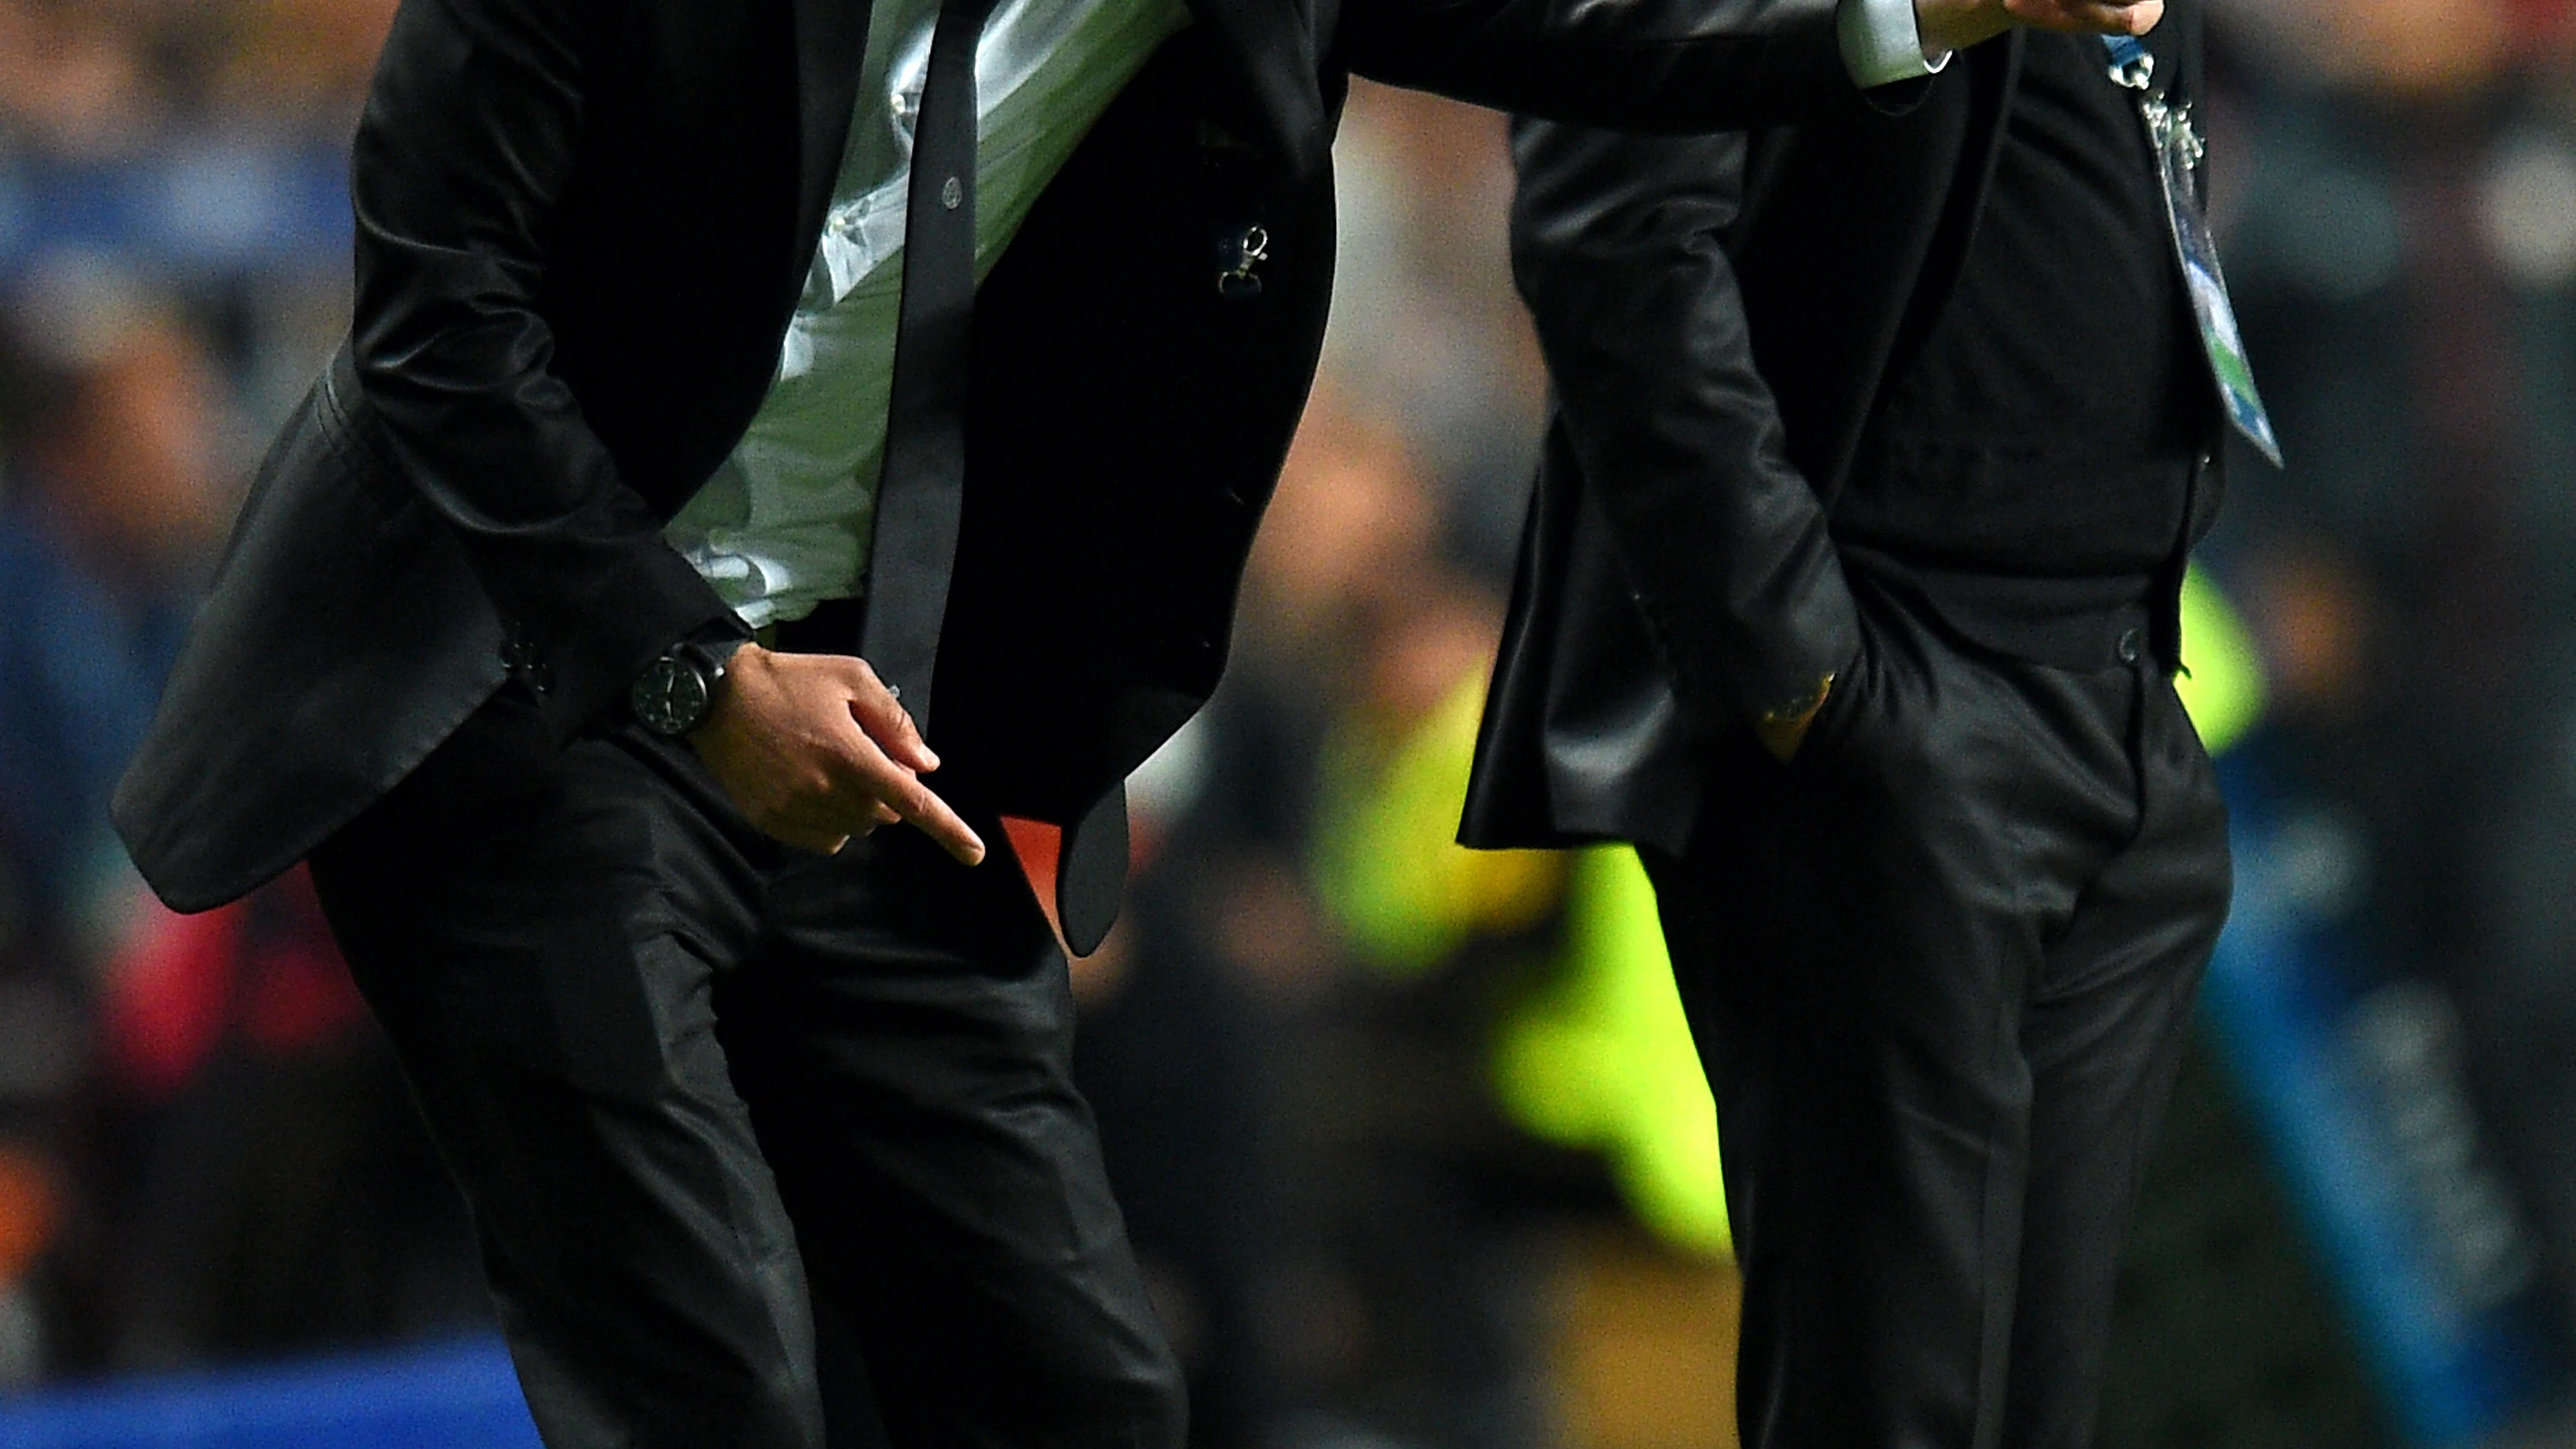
(1882, 44)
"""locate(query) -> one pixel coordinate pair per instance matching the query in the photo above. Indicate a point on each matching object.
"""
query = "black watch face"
(670, 697)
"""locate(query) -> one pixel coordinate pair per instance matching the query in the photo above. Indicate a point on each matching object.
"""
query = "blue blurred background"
(1410, 1140)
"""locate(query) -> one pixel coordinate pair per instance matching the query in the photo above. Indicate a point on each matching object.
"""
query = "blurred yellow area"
(1599, 1056)
(2224, 692)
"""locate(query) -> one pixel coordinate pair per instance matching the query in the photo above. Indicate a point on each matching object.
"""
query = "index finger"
(921, 808)
(879, 710)
(867, 770)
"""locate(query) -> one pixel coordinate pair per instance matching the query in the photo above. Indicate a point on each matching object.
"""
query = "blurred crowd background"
(1408, 1137)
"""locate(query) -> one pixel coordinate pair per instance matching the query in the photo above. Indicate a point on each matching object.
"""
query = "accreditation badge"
(2179, 148)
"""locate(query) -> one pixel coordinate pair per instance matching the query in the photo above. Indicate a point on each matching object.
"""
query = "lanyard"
(2179, 149)
(2132, 64)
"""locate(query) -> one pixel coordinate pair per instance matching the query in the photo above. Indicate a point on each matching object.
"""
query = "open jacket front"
(582, 227)
(1724, 317)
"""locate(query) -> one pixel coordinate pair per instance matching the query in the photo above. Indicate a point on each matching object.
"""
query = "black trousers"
(1940, 969)
(750, 1137)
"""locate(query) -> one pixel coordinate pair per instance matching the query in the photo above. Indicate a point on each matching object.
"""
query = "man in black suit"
(542, 632)
(1850, 596)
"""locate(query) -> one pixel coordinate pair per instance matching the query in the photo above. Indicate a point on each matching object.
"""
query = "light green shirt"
(786, 522)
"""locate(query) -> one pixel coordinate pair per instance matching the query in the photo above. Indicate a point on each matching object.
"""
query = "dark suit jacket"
(1724, 316)
(582, 228)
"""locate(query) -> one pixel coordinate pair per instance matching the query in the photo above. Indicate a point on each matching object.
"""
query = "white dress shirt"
(785, 523)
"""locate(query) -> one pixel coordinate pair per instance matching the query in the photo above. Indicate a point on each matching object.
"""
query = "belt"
(2064, 623)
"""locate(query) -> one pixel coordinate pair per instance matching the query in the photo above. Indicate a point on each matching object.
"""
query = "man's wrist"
(728, 653)
(1882, 43)
(1783, 727)
(1799, 710)
(721, 650)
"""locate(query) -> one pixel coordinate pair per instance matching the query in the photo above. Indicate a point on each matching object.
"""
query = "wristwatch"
(676, 692)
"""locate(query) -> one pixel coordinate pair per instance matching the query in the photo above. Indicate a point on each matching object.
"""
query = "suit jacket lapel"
(831, 42)
(1268, 47)
(1994, 74)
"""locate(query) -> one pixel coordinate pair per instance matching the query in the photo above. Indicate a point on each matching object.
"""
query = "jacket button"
(520, 655)
(2132, 644)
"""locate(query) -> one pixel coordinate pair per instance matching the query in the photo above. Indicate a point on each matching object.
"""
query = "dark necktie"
(921, 495)
(922, 492)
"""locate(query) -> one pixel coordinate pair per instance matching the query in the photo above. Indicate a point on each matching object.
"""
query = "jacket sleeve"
(1616, 248)
(468, 142)
(1638, 65)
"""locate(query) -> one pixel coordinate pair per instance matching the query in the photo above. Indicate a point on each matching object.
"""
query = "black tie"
(921, 495)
